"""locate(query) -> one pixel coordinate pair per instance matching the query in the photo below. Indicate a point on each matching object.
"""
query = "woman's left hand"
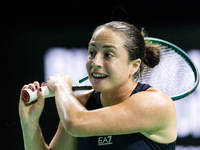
(59, 80)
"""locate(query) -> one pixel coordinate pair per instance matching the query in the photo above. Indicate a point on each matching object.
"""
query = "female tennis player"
(119, 113)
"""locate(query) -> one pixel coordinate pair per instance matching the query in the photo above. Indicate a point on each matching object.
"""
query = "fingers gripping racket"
(29, 96)
(176, 75)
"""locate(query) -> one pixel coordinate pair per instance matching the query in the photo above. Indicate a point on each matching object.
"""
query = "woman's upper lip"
(98, 74)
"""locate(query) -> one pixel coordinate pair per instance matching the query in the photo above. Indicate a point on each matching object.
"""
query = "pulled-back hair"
(135, 44)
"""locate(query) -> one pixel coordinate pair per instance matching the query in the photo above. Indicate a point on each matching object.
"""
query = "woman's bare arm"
(150, 112)
(32, 134)
(63, 140)
(29, 118)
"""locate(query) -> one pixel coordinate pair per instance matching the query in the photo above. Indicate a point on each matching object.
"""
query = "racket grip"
(29, 96)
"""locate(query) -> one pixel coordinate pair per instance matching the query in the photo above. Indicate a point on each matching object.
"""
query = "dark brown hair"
(135, 44)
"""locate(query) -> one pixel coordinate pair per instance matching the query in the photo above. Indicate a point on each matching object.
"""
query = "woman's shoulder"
(155, 98)
(84, 97)
(158, 106)
(149, 91)
(158, 93)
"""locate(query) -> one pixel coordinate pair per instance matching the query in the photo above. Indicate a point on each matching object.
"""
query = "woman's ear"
(134, 66)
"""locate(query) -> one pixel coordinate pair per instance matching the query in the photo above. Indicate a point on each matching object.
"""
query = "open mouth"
(99, 76)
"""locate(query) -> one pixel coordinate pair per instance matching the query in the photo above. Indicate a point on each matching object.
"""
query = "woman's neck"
(117, 96)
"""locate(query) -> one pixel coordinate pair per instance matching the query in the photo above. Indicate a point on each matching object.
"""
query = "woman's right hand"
(30, 113)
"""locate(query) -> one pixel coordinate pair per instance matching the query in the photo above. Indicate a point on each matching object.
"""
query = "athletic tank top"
(135, 141)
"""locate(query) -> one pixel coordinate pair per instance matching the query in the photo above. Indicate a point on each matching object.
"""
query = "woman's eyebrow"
(109, 46)
(104, 46)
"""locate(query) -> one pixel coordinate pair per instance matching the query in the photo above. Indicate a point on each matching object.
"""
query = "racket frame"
(185, 56)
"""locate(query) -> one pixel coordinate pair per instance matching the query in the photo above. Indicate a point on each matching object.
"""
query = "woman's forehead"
(109, 36)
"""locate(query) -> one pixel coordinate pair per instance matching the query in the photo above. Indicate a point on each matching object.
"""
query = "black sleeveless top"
(135, 141)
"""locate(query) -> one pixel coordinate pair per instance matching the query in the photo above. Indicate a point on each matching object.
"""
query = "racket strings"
(173, 75)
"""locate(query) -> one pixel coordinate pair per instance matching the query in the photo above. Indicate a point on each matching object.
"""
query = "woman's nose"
(97, 61)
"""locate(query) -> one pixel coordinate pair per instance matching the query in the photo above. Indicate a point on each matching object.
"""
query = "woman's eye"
(109, 55)
(91, 53)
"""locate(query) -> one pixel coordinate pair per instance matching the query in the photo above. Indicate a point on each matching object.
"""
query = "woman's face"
(108, 63)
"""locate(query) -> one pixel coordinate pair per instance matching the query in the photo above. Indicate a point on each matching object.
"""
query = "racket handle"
(29, 96)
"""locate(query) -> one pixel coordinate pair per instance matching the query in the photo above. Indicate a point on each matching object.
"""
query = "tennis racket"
(176, 75)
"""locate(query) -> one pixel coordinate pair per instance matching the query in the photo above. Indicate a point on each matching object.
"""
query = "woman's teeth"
(97, 75)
